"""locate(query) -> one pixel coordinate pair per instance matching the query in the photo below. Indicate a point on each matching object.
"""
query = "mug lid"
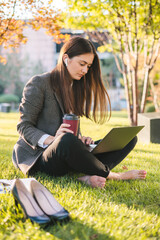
(70, 117)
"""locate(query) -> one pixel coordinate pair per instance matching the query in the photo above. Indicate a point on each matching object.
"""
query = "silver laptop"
(115, 140)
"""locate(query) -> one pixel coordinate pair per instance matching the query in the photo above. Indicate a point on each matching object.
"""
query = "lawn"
(122, 210)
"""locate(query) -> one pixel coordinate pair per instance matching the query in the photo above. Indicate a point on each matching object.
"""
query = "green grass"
(122, 210)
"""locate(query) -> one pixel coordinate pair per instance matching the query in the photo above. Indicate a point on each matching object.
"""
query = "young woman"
(48, 145)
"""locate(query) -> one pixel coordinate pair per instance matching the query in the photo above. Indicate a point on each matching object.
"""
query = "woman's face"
(78, 66)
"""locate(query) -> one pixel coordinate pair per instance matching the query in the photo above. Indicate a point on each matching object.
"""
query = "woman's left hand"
(86, 140)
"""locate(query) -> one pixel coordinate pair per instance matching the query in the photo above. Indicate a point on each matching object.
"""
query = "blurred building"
(39, 48)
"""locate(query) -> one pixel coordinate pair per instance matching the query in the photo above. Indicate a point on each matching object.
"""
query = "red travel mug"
(73, 120)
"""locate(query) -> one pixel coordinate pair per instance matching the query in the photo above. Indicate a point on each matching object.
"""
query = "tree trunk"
(155, 97)
(130, 112)
(135, 92)
(134, 122)
(145, 88)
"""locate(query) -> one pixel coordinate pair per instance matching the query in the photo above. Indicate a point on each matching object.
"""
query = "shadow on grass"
(135, 194)
(138, 195)
(13, 220)
(76, 229)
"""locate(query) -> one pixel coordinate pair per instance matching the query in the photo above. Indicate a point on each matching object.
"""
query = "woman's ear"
(65, 59)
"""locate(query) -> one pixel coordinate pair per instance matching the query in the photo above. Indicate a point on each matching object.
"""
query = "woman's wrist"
(49, 140)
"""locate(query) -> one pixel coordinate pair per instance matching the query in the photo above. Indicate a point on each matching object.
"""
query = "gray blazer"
(41, 112)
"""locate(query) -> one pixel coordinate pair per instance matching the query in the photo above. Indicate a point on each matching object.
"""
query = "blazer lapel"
(60, 103)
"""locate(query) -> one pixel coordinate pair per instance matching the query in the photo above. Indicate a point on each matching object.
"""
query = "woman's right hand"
(64, 128)
(61, 130)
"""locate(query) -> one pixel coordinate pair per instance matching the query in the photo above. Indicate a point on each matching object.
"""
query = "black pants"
(67, 154)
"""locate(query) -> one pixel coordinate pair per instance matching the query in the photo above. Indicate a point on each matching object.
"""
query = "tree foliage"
(15, 15)
(126, 28)
(155, 85)
(9, 98)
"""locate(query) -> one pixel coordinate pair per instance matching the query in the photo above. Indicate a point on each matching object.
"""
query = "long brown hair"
(86, 94)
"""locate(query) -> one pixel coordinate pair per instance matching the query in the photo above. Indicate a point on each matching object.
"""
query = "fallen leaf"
(125, 167)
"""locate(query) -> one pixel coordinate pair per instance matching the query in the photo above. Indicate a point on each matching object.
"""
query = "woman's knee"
(66, 144)
(62, 142)
(133, 142)
(69, 139)
(71, 143)
(135, 139)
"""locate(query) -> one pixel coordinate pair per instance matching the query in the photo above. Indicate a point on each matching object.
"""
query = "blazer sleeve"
(30, 109)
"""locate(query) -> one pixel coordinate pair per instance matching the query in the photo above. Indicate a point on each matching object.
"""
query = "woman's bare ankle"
(114, 176)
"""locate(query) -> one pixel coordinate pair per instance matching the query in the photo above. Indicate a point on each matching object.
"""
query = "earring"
(66, 62)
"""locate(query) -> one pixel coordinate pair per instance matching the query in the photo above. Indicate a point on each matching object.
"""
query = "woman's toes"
(139, 174)
(142, 174)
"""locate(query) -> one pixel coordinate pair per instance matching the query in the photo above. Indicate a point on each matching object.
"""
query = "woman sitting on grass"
(48, 145)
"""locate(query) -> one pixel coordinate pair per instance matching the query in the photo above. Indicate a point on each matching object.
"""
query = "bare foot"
(133, 174)
(94, 181)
